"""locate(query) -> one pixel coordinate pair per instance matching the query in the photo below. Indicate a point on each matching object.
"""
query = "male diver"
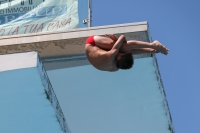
(111, 53)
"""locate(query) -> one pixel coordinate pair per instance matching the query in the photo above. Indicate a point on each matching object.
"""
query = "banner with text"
(34, 16)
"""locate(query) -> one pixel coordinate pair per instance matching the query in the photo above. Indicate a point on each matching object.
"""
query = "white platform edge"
(52, 96)
(18, 61)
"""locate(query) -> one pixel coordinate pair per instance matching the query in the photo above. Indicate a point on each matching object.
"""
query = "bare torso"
(99, 58)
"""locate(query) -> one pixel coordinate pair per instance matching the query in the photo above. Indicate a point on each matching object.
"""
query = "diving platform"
(52, 45)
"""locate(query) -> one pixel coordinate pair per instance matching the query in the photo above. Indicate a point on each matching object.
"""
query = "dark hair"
(126, 61)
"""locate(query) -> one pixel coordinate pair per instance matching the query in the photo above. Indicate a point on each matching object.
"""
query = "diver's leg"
(133, 44)
(104, 42)
(107, 44)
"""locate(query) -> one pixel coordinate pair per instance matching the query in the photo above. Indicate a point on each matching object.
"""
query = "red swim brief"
(90, 40)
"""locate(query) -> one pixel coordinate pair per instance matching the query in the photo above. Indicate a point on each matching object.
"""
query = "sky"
(176, 25)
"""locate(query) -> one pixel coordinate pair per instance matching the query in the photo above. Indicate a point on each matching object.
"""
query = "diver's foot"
(159, 47)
